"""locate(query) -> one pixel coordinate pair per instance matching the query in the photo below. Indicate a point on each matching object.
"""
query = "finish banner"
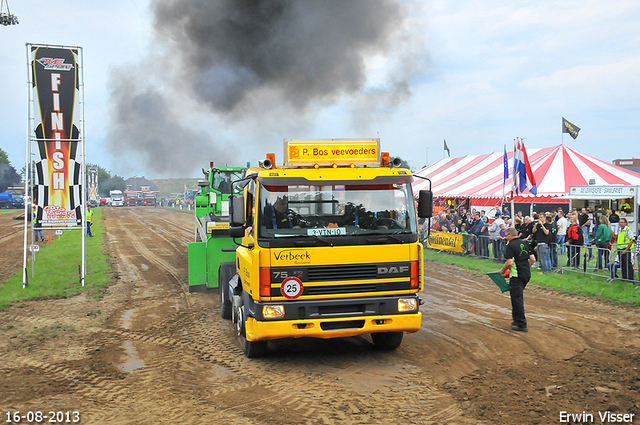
(446, 241)
(56, 114)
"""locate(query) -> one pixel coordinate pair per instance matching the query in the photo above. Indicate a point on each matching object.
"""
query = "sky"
(173, 84)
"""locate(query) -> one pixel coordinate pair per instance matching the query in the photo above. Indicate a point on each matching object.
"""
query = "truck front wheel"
(225, 273)
(251, 349)
(387, 340)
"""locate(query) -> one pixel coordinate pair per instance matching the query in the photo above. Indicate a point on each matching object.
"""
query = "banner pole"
(513, 183)
(83, 170)
(504, 181)
(27, 175)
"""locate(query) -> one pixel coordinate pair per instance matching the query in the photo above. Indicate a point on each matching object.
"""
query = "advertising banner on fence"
(56, 115)
(446, 241)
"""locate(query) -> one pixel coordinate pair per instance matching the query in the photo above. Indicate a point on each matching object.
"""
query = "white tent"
(555, 169)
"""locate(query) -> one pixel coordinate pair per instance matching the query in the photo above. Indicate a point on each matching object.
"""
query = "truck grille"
(353, 278)
(348, 289)
(341, 272)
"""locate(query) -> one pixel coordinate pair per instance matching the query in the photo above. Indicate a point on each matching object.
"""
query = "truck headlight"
(407, 304)
(272, 311)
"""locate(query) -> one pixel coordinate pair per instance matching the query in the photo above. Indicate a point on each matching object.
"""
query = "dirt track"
(150, 352)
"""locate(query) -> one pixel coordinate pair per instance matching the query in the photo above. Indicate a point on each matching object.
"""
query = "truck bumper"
(331, 328)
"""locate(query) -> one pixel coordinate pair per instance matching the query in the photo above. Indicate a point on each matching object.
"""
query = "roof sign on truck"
(334, 151)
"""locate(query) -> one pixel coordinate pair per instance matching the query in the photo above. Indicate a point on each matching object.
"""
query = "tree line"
(9, 177)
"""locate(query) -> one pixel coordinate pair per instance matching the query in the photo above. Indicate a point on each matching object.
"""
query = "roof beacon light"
(270, 161)
(210, 164)
(384, 159)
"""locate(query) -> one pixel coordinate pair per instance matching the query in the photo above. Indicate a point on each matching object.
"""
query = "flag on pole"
(517, 160)
(572, 129)
(523, 174)
(446, 148)
(506, 166)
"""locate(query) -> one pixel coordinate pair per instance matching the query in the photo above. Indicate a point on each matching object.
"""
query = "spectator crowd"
(600, 238)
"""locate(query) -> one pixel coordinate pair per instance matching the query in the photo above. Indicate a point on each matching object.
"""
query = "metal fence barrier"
(610, 264)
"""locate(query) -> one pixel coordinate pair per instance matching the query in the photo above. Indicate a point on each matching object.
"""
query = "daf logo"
(393, 270)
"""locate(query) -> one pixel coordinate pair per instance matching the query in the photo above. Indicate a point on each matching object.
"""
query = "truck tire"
(251, 349)
(387, 341)
(225, 273)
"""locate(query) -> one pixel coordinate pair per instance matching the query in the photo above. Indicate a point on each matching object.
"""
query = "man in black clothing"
(527, 228)
(474, 232)
(280, 216)
(519, 252)
(614, 220)
(552, 239)
(541, 238)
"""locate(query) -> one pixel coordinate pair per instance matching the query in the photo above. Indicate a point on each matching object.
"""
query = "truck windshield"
(222, 180)
(336, 210)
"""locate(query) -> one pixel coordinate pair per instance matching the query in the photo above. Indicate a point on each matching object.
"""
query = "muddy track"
(150, 352)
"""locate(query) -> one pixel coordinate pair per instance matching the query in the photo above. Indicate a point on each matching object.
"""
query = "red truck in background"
(149, 198)
(130, 198)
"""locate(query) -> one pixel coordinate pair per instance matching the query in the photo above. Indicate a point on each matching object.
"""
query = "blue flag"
(506, 165)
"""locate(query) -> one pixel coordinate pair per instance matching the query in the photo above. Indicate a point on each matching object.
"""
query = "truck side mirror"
(236, 231)
(425, 204)
(236, 211)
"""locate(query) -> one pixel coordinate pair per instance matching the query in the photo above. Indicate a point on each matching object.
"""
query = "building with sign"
(140, 184)
(632, 164)
(612, 197)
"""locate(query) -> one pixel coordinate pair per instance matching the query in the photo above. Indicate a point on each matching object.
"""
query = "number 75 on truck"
(327, 246)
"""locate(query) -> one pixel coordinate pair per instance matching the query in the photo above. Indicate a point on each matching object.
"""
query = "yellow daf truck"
(327, 247)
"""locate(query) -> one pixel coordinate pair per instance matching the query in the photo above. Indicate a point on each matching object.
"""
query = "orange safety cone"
(49, 240)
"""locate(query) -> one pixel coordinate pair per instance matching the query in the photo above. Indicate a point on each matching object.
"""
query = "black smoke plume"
(304, 50)
(252, 64)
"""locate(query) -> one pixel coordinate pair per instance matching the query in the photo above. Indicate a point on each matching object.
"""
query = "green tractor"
(212, 227)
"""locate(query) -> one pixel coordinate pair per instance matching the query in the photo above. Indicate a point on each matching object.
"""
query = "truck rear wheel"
(225, 273)
(251, 349)
(387, 340)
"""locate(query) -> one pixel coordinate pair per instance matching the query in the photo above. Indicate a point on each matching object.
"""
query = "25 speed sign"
(291, 288)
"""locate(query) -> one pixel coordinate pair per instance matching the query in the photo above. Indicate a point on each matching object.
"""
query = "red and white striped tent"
(480, 177)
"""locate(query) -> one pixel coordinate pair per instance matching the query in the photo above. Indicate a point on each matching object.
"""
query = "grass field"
(56, 273)
(56, 269)
(569, 282)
